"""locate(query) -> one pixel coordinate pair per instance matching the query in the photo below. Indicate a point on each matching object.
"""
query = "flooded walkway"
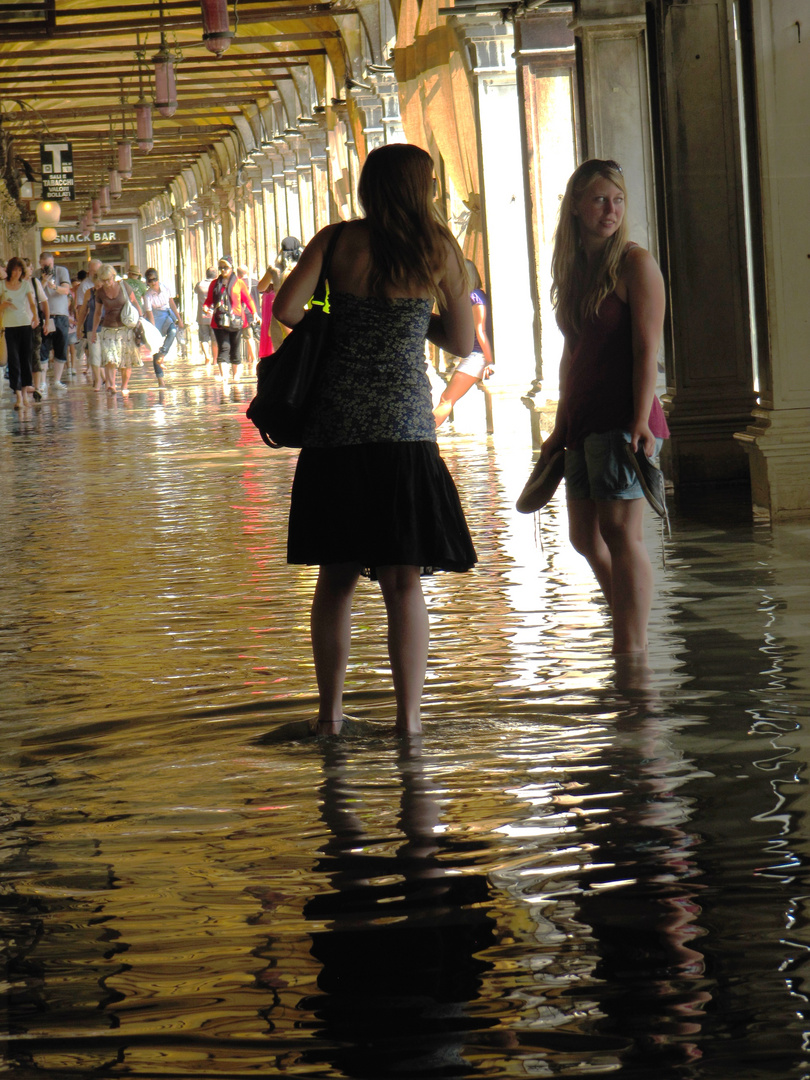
(564, 877)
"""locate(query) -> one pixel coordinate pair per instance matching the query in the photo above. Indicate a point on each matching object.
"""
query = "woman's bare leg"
(454, 391)
(586, 538)
(331, 631)
(621, 522)
(110, 370)
(408, 637)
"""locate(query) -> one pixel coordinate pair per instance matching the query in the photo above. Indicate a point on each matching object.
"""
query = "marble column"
(616, 95)
(709, 366)
(291, 193)
(279, 192)
(546, 58)
(271, 240)
(778, 439)
(319, 163)
(226, 193)
(506, 239)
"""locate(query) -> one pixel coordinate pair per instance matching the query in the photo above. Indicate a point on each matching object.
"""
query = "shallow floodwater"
(576, 871)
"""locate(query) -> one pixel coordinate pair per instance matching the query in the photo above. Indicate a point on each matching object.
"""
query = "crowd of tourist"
(77, 328)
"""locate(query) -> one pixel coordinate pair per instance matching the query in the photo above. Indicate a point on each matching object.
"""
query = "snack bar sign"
(57, 171)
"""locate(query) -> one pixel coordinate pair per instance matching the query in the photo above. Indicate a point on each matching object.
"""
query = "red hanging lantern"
(217, 35)
(165, 82)
(143, 120)
(125, 158)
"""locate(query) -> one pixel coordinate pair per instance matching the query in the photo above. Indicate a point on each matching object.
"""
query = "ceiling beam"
(102, 69)
(168, 24)
(37, 78)
(264, 39)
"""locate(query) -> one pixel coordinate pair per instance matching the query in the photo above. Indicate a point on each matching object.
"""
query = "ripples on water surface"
(563, 877)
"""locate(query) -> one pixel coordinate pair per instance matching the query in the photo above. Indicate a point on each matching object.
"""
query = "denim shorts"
(600, 470)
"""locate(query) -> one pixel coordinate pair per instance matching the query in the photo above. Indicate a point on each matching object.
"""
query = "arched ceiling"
(66, 65)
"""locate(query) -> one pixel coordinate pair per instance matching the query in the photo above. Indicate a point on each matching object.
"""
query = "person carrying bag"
(287, 377)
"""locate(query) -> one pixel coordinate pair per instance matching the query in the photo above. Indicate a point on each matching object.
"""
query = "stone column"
(778, 440)
(370, 107)
(709, 365)
(291, 189)
(303, 168)
(506, 239)
(388, 90)
(546, 59)
(226, 194)
(279, 193)
(616, 94)
(316, 139)
(271, 238)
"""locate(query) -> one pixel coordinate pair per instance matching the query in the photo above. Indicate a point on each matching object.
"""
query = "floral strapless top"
(374, 386)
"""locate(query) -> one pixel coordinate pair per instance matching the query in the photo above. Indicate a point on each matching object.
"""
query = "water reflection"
(581, 869)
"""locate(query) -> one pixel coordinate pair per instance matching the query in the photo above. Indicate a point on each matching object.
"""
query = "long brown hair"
(577, 292)
(407, 235)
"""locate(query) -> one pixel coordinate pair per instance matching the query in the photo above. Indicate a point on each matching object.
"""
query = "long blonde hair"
(577, 292)
(407, 235)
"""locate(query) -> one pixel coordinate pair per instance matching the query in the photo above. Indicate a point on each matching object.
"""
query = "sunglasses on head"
(595, 164)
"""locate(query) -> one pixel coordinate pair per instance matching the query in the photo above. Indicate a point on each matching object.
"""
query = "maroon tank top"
(599, 388)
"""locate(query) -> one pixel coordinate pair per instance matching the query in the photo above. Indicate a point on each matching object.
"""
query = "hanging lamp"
(165, 78)
(217, 34)
(125, 145)
(143, 112)
(48, 212)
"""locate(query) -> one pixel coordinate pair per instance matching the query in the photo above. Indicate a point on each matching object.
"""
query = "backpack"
(224, 317)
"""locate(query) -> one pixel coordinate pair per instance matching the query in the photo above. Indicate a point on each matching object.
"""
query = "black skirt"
(377, 504)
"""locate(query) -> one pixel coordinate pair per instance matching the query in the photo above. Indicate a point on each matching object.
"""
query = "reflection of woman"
(18, 308)
(609, 296)
(371, 493)
(118, 349)
(400, 937)
(480, 363)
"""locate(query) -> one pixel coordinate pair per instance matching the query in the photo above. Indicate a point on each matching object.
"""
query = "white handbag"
(129, 314)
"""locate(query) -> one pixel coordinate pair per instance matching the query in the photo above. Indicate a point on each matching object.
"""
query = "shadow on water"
(578, 870)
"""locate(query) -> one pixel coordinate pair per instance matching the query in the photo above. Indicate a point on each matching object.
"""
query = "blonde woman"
(609, 297)
(118, 349)
(371, 493)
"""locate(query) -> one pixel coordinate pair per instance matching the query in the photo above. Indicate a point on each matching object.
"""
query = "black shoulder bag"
(286, 379)
(223, 308)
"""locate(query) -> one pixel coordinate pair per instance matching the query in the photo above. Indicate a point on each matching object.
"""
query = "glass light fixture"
(48, 213)
(125, 159)
(143, 120)
(115, 183)
(165, 81)
(103, 200)
(49, 235)
(217, 35)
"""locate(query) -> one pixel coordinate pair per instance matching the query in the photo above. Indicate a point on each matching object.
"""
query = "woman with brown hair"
(18, 308)
(371, 493)
(119, 352)
(609, 296)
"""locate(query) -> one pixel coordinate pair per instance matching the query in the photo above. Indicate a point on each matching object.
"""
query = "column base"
(778, 448)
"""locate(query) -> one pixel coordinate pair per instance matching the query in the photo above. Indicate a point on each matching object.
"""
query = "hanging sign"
(57, 171)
